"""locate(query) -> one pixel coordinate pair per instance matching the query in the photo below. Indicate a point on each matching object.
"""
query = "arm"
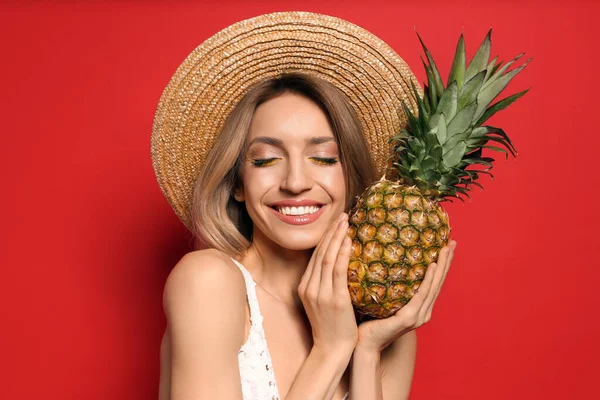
(365, 375)
(324, 293)
(384, 358)
(205, 326)
(320, 374)
(398, 366)
(389, 372)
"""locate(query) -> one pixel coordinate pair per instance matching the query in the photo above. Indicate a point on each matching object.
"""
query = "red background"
(88, 239)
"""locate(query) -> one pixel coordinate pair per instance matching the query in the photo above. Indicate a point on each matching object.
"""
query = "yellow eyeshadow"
(325, 160)
(263, 162)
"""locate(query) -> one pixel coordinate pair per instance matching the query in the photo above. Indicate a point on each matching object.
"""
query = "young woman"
(265, 312)
(262, 140)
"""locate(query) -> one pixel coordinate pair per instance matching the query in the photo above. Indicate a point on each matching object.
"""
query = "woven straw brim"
(215, 76)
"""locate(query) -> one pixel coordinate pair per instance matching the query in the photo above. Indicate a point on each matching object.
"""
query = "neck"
(276, 269)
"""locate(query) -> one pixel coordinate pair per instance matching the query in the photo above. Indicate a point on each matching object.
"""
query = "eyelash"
(325, 160)
(263, 162)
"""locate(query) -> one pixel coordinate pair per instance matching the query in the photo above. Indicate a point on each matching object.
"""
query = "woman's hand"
(375, 335)
(324, 292)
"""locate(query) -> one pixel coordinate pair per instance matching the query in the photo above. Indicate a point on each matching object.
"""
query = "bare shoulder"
(205, 284)
(204, 262)
(203, 272)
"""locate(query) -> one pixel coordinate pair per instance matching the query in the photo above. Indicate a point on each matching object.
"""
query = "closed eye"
(263, 162)
(325, 160)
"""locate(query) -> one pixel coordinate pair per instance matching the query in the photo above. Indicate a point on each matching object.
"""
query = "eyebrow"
(278, 143)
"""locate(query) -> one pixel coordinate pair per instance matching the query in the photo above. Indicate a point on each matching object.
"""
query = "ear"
(238, 194)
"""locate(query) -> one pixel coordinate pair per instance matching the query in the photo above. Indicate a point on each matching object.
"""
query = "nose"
(297, 178)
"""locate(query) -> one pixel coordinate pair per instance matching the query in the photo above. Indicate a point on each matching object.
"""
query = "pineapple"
(398, 226)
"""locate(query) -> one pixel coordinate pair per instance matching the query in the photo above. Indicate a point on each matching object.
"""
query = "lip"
(297, 219)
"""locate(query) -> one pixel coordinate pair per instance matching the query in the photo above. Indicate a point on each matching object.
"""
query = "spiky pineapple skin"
(396, 232)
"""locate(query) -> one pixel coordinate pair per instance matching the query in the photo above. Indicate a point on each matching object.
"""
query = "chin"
(298, 242)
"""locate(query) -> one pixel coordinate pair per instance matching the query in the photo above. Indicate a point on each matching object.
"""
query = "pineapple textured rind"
(396, 233)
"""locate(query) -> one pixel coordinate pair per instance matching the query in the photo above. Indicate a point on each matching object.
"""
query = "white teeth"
(298, 210)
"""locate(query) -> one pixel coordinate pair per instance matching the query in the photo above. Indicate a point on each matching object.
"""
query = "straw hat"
(216, 75)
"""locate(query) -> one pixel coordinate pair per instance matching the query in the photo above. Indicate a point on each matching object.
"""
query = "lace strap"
(255, 315)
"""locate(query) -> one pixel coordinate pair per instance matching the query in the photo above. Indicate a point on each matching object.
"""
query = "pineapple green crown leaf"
(440, 150)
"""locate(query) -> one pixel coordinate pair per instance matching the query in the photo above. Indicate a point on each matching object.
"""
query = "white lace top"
(256, 369)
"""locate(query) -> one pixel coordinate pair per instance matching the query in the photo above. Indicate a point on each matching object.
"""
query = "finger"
(340, 270)
(331, 255)
(436, 293)
(446, 268)
(437, 279)
(317, 249)
(328, 236)
(319, 253)
(450, 258)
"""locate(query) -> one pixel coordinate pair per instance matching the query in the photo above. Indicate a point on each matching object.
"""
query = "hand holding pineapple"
(375, 335)
(324, 292)
(326, 300)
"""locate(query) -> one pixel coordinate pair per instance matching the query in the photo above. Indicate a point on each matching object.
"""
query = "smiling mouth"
(305, 210)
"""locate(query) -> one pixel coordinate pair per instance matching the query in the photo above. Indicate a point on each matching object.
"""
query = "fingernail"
(346, 241)
(454, 245)
(343, 223)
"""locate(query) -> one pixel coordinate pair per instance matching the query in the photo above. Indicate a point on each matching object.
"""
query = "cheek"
(257, 183)
(333, 181)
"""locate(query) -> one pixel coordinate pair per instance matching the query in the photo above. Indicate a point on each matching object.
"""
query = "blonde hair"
(220, 221)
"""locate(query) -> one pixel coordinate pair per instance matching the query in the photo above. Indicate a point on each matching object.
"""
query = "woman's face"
(293, 183)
